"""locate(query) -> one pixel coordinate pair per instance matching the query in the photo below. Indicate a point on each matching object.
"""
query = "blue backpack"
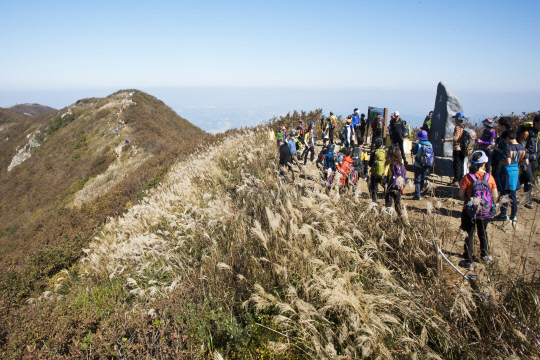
(330, 158)
(427, 158)
(480, 205)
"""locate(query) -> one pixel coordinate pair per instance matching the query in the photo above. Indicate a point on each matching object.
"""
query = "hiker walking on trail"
(487, 141)
(396, 178)
(458, 153)
(422, 162)
(360, 160)
(279, 134)
(301, 129)
(498, 149)
(427, 123)
(285, 158)
(344, 167)
(529, 137)
(377, 162)
(515, 157)
(397, 131)
(291, 143)
(479, 191)
(310, 143)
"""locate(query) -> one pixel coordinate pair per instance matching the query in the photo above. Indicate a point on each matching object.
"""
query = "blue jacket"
(292, 145)
(417, 148)
(356, 120)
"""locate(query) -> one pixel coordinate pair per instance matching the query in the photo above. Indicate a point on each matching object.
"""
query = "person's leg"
(488, 164)
(312, 150)
(467, 225)
(397, 202)
(481, 228)
(291, 170)
(512, 198)
(373, 188)
(400, 143)
(389, 199)
(504, 204)
(418, 182)
(528, 183)
(331, 131)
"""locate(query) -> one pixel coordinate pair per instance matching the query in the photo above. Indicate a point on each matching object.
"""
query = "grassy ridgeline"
(225, 258)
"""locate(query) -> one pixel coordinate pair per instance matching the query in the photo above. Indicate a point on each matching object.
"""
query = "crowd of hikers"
(499, 164)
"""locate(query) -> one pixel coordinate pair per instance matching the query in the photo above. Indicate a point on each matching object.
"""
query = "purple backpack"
(480, 205)
(399, 177)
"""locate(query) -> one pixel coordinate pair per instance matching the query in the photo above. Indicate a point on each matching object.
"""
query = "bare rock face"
(447, 104)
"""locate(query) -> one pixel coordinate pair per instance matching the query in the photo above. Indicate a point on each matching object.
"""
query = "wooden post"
(438, 257)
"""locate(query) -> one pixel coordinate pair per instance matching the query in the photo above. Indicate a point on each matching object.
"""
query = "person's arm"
(494, 193)
(505, 162)
(415, 149)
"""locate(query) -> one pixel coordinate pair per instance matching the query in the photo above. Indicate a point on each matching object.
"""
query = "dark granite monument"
(447, 105)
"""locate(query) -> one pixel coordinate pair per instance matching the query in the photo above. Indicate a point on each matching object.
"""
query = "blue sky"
(272, 53)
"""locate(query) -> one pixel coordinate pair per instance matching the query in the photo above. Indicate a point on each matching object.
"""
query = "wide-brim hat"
(422, 135)
(488, 122)
(459, 116)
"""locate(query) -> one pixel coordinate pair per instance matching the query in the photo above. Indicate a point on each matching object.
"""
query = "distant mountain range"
(31, 109)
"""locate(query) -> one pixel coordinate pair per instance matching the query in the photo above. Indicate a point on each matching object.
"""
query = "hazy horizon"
(217, 109)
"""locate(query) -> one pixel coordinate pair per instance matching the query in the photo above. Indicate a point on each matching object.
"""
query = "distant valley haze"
(216, 109)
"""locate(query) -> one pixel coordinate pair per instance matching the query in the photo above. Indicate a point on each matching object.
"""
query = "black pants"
(331, 134)
(489, 154)
(374, 186)
(362, 131)
(399, 141)
(527, 177)
(312, 156)
(284, 167)
(459, 159)
(469, 225)
(394, 195)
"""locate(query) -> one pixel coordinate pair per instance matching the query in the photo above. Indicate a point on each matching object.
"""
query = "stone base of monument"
(444, 166)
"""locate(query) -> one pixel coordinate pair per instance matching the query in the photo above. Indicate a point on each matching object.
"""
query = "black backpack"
(343, 133)
(357, 160)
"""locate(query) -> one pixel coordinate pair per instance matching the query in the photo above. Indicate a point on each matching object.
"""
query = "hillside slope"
(31, 109)
(60, 176)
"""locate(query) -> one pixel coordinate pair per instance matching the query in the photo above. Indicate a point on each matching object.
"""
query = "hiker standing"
(356, 124)
(279, 134)
(458, 153)
(285, 158)
(427, 123)
(377, 162)
(479, 191)
(498, 149)
(347, 133)
(310, 142)
(291, 143)
(422, 162)
(332, 126)
(363, 125)
(530, 137)
(515, 156)
(377, 128)
(395, 178)
(487, 141)
(344, 166)
(271, 134)
(397, 131)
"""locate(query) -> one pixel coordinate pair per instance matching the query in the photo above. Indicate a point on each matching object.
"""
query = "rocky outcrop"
(447, 104)
(25, 152)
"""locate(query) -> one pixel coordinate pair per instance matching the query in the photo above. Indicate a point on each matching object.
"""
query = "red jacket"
(346, 163)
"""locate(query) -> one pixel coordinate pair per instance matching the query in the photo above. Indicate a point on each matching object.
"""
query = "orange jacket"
(346, 163)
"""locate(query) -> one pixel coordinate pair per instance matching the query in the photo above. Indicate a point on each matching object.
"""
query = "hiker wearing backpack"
(487, 141)
(310, 143)
(427, 123)
(528, 135)
(377, 162)
(333, 124)
(345, 167)
(301, 129)
(395, 178)
(505, 123)
(397, 131)
(292, 146)
(458, 152)
(423, 161)
(515, 157)
(360, 160)
(285, 158)
(377, 128)
(479, 191)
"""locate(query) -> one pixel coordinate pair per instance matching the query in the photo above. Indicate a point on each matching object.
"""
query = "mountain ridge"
(31, 109)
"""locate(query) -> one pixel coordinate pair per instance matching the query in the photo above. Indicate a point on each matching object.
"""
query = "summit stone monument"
(447, 104)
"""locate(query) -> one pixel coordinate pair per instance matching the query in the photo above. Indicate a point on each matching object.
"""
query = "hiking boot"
(416, 198)
(487, 259)
(529, 205)
(466, 264)
(501, 217)
(513, 218)
(454, 182)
